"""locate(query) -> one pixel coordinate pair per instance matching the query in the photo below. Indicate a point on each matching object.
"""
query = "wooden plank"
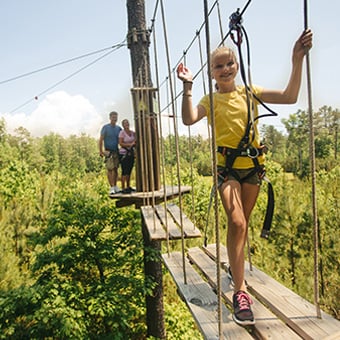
(139, 199)
(167, 220)
(335, 336)
(211, 249)
(292, 308)
(297, 312)
(201, 300)
(152, 223)
(189, 229)
(160, 223)
(267, 324)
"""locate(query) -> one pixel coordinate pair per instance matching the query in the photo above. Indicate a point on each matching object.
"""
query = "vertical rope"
(312, 158)
(193, 214)
(204, 86)
(176, 139)
(193, 208)
(141, 132)
(162, 146)
(252, 113)
(217, 232)
(201, 61)
(219, 19)
(169, 129)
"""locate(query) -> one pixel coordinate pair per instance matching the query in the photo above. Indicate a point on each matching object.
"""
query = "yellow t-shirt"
(231, 118)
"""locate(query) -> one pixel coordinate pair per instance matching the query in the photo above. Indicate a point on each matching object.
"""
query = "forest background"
(72, 263)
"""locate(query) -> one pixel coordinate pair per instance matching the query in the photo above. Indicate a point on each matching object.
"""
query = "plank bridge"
(279, 312)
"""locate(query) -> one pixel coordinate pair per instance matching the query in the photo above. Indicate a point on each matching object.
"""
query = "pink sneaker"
(243, 314)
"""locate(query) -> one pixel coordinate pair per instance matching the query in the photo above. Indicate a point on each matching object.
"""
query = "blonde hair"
(222, 50)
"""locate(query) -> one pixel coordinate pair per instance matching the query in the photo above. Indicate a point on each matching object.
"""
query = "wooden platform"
(149, 198)
(279, 312)
(167, 221)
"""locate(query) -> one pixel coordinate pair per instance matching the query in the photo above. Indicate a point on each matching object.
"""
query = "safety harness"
(230, 155)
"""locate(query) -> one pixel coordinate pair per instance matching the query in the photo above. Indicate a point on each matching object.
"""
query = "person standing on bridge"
(239, 178)
(108, 147)
(127, 142)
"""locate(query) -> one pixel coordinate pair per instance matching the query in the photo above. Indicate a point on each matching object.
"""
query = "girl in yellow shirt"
(238, 190)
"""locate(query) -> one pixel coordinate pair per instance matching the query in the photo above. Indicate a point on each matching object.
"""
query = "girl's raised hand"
(183, 73)
(303, 44)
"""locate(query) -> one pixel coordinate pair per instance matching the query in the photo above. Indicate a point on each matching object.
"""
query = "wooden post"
(147, 160)
(147, 154)
(154, 302)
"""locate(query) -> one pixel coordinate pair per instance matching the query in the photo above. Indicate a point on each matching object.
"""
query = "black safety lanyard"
(235, 25)
(246, 142)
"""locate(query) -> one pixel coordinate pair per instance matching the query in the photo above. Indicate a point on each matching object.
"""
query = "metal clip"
(250, 154)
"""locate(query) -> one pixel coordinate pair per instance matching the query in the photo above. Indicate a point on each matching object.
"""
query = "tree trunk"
(147, 155)
(147, 160)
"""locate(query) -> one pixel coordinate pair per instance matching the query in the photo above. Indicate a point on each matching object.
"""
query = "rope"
(169, 129)
(193, 210)
(219, 19)
(176, 139)
(161, 148)
(62, 62)
(214, 147)
(64, 79)
(202, 63)
(214, 194)
(313, 171)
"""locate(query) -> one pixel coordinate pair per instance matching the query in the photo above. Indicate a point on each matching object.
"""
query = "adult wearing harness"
(240, 157)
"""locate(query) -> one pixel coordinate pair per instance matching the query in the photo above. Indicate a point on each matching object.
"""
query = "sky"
(75, 97)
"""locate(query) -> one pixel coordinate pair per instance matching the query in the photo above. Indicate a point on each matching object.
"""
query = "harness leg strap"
(270, 210)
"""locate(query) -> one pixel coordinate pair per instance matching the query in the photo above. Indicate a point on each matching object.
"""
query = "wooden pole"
(147, 160)
(147, 155)
(154, 302)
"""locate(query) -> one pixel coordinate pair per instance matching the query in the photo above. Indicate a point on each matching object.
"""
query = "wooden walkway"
(149, 198)
(168, 222)
(279, 312)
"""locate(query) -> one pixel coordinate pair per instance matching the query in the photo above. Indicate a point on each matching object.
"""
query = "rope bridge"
(200, 272)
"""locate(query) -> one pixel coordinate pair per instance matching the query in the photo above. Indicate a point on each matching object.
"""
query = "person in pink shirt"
(127, 143)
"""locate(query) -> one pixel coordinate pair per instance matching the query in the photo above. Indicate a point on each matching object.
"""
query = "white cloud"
(61, 113)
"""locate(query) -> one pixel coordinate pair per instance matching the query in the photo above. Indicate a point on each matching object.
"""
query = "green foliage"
(326, 126)
(72, 264)
(87, 283)
(195, 152)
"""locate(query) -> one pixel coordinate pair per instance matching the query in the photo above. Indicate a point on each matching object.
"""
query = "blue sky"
(39, 33)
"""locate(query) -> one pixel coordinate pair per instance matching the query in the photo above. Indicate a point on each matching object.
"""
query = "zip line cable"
(68, 77)
(61, 63)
